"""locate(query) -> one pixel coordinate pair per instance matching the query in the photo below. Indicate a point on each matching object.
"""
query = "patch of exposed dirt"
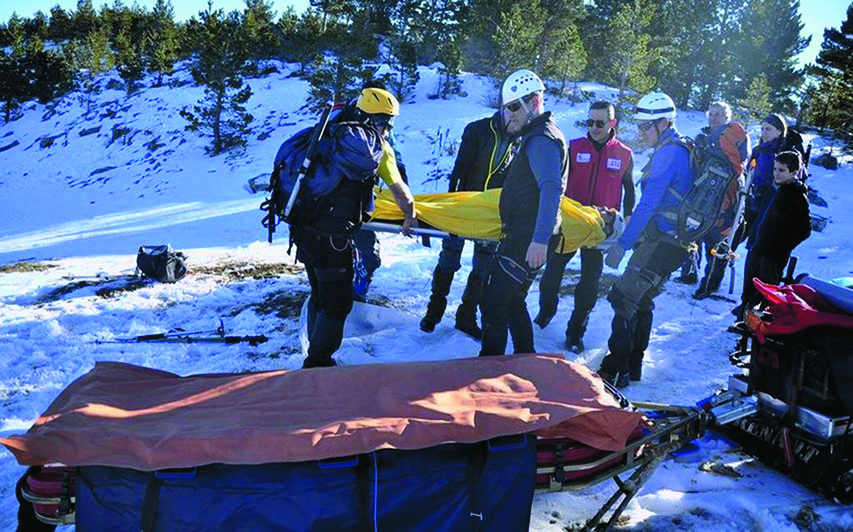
(285, 304)
(245, 270)
(25, 266)
(108, 287)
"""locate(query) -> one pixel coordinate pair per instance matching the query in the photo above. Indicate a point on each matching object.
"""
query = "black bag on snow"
(347, 151)
(161, 263)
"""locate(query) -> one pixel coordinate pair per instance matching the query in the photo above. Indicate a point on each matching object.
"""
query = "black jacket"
(519, 204)
(484, 156)
(785, 222)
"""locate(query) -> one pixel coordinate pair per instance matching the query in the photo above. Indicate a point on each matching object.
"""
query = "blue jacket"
(668, 167)
(764, 155)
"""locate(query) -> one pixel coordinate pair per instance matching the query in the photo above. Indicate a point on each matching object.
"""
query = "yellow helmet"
(378, 102)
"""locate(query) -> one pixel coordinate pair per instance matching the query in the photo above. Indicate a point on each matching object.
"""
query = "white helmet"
(655, 105)
(519, 84)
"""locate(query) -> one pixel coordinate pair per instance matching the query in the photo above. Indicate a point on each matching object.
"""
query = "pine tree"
(629, 48)
(84, 21)
(435, 29)
(50, 74)
(680, 30)
(219, 64)
(129, 62)
(403, 64)
(717, 54)
(514, 42)
(161, 48)
(770, 41)
(341, 71)
(37, 26)
(306, 45)
(833, 102)
(91, 58)
(59, 27)
(561, 54)
(568, 60)
(259, 25)
(14, 84)
(757, 100)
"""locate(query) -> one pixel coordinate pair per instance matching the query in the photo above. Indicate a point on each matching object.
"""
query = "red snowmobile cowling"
(793, 308)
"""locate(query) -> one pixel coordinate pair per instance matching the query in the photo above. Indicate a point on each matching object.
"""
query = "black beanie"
(776, 120)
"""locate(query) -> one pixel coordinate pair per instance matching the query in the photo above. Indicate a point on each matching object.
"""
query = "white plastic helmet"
(519, 84)
(655, 105)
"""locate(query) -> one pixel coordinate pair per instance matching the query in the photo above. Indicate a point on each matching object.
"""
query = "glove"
(615, 253)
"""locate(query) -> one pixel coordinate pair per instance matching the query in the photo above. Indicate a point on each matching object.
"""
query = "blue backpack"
(348, 154)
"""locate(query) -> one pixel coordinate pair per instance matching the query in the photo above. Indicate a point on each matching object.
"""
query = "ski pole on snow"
(179, 336)
(187, 339)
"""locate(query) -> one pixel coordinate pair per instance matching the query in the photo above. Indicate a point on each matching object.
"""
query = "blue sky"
(817, 14)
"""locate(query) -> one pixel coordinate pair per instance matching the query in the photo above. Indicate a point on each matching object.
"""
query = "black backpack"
(702, 205)
(161, 263)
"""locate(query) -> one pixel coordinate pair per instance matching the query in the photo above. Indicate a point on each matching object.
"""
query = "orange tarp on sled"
(475, 215)
(130, 416)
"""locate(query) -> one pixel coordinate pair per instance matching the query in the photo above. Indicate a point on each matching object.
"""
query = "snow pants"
(504, 308)
(632, 299)
(328, 263)
(586, 291)
(765, 269)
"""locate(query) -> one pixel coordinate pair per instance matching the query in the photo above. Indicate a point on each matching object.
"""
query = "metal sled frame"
(62, 502)
(671, 427)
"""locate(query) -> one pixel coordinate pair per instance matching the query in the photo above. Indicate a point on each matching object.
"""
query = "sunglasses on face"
(597, 123)
(645, 126)
(383, 123)
(515, 105)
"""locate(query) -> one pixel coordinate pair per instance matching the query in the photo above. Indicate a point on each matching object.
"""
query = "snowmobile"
(792, 402)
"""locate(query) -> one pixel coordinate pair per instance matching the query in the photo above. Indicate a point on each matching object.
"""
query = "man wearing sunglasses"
(600, 168)
(666, 178)
(529, 209)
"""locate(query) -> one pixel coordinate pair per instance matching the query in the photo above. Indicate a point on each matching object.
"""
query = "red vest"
(595, 177)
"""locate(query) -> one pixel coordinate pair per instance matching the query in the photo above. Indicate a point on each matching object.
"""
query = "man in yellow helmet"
(325, 245)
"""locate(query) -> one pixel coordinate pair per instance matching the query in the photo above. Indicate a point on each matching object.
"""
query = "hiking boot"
(701, 294)
(441, 282)
(543, 319)
(618, 380)
(636, 373)
(690, 278)
(470, 328)
(606, 376)
(466, 314)
(428, 324)
(574, 344)
(314, 362)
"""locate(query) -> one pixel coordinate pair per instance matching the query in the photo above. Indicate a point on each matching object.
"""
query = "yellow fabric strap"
(475, 215)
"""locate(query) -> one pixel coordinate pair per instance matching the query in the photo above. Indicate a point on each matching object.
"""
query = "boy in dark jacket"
(785, 222)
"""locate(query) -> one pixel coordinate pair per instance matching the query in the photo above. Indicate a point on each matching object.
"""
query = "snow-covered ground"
(83, 205)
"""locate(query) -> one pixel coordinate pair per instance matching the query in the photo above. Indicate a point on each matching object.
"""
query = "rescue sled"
(793, 404)
(463, 449)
